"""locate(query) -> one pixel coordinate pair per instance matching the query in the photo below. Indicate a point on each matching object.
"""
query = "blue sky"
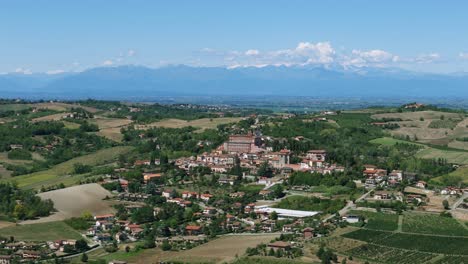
(54, 36)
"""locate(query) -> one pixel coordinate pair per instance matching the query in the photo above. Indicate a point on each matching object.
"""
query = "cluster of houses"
(251, 153)
(380, 177)
(21, 251)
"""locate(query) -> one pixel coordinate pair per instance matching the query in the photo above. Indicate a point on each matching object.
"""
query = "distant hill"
(136, 81)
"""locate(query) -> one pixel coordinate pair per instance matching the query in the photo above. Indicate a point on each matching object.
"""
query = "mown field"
(61, 172)
(220, 250)
(202, 124)
(41, 232)
(73, 201)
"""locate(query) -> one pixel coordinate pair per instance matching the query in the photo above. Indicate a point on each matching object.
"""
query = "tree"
(84, 258)
(446, 205)
(274, 215)
(81, 245)
(166, 246)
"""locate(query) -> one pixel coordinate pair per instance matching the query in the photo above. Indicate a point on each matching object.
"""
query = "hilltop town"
(110, 182)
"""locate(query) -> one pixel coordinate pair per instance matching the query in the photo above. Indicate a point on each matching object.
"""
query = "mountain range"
(124, 82)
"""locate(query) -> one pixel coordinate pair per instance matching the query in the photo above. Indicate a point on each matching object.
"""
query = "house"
(308, 232)
(142, 163)
(5, 259)
(167, 194)
(264, 193)
(151, 176)
(105, 217)
(30, 254)
(280, 245)
(237, 195)
(188, 195)
(382, 195)
(193, 230)
(268, 225)
(227, 179)
(209, 210)
(206, 197)
(319, 154)
(421, 184)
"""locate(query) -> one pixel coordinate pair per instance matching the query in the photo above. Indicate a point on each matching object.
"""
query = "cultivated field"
(433, 127)
(40, 232)
(426, 152)
(53, 117)
(61, 172)
(72, 201)
(52, 106)
(110, 127)
(204, 123)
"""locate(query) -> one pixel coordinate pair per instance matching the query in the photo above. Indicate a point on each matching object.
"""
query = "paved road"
(459, 201)
(349, 205)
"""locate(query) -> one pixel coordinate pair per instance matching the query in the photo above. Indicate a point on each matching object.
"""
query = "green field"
(452, 156)
(388, 141)
(433, 224)
(41, 232)
(53, 175)
(453, 178)
(379, 221)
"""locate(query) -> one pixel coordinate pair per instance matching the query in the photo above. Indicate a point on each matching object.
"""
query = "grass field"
(379, 221)
(53, 175)
(202, 124)
(460, 175)
(41, 232)
(432, 224)
(73, 201)
(388, 141)
(458, 157)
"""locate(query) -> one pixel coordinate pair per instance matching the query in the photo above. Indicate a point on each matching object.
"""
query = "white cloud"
(427, 58)
(107, 63)
(23, 71)
(463, 55)
(131, 53)
(52, 72)
(315, 53)
(252, 52)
